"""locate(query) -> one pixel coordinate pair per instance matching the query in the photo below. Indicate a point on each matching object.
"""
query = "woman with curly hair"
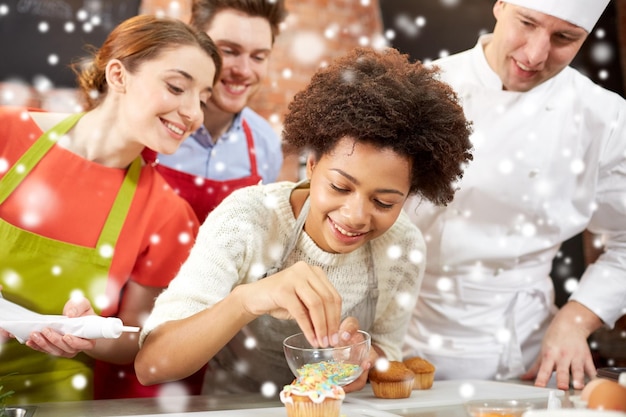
(326, 256)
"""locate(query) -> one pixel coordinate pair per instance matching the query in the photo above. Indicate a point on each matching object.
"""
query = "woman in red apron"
(80, 215)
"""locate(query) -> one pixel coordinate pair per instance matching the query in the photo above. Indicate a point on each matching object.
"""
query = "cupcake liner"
(305, 408)
(423, 381)
(399, 389)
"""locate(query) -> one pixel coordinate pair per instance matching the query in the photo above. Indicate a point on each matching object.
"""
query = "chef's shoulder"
(600, 112)
(454, 68)
(595, 97)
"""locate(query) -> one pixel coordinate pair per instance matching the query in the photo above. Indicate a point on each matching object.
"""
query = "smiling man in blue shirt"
(235, 147)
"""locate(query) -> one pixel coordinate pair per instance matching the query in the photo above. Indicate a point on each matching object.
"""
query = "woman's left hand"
(348, 334)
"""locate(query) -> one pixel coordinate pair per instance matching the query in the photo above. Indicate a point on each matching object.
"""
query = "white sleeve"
(602, 287)
(224, 255)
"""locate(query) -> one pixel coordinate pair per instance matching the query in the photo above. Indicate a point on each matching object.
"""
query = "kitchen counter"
(356, 405)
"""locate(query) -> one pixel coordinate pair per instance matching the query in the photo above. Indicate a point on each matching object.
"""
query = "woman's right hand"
(301, 292)
(4, 336)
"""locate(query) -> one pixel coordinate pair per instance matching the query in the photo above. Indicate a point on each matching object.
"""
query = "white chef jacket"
(547, 164)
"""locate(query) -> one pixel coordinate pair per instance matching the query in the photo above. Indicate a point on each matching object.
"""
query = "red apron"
(204, 194)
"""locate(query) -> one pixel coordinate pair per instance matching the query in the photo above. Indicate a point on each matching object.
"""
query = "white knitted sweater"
(245, 236)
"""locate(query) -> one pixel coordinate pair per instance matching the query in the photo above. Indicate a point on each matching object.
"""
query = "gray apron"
(242, 368)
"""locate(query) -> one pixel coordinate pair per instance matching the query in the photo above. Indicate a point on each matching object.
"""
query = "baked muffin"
(312, 394)
(396, 381)
(424, 372)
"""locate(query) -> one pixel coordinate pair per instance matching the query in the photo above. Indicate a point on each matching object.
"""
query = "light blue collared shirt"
(228, 159)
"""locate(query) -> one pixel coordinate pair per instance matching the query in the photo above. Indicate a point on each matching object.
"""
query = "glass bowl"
(497, 408)
(340, 363)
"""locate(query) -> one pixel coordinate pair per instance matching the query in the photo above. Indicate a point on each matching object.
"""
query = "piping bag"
(20, 322)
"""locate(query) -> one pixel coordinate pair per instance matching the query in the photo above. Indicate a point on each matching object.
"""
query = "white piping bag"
(20, 322)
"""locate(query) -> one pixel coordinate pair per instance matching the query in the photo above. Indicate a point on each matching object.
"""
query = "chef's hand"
(300, 292)
(53, 343)
(565, 348)
(348, 335)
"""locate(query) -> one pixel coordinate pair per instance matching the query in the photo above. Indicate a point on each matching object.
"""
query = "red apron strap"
(251, 150)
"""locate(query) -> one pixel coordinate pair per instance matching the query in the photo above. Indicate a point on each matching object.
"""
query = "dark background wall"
(426, 28)
(40, 38)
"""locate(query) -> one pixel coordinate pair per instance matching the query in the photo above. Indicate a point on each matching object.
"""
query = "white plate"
(573, 412)
(578, 403)
(347, 410)
(445, 393)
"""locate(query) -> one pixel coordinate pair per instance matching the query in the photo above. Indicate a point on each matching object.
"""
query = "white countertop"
(444, 399)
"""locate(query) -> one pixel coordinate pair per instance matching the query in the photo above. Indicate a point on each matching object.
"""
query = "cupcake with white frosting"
(313, 394)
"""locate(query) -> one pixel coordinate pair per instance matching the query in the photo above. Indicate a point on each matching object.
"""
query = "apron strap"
(33, 155)
(365, 311)
(251, 152)
(119, 210)
(293, 238)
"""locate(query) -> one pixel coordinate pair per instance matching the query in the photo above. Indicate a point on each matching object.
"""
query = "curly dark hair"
(384, 99)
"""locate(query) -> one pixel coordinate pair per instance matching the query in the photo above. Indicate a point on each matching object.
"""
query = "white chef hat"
(583, 13)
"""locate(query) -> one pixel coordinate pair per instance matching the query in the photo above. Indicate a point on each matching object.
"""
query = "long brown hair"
(134, 41)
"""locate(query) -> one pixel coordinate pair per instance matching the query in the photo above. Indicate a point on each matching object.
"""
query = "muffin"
(312, 394)
(424, 372)
(396, 381)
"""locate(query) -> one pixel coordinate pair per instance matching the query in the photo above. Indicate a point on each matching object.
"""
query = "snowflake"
(382, 364)
(79, 382)
(467, 390)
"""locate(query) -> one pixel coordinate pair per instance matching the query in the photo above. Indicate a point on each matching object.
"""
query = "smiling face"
(163, 99)
(529, 47)
(245, 44)
(357, 192)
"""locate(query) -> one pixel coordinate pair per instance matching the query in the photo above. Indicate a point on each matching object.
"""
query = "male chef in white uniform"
(549, 162)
